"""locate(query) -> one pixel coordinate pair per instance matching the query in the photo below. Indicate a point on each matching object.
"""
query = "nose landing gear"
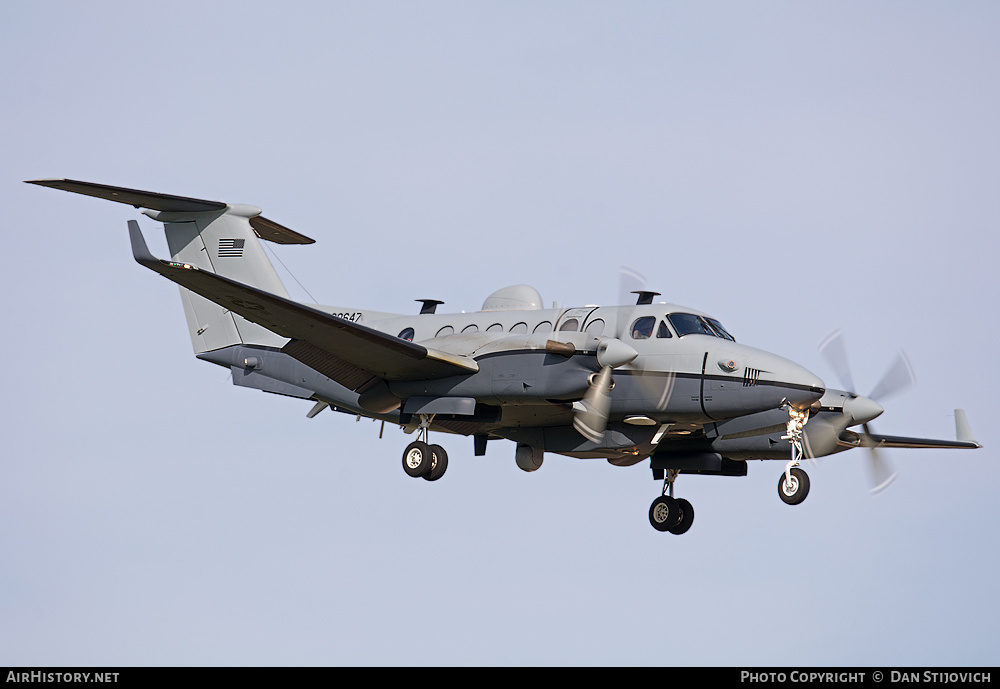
(793, 486)
(670, 514)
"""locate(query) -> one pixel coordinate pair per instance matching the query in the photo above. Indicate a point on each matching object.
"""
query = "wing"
(873, 440)
(963, 437)
(352, 354)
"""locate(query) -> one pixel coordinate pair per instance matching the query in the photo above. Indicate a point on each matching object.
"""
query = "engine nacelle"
(528, 458)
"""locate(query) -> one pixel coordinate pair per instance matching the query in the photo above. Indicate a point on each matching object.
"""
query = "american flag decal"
(232, 248)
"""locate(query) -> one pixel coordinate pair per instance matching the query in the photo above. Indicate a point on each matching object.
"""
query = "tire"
(417, 459)
(664, 513)
(439, 464)
(686, 518)
(798, 490)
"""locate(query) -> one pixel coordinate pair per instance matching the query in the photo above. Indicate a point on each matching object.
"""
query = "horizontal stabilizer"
(133, 197)
(349, 353)
(279, 234)
(265, 229)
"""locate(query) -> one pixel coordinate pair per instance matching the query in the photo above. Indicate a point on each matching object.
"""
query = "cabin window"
(495, 328)
(569, 324)
(663, 330)
(446, 330)
(595, 327)
(543, 327)
(642, 328)
(407, 335)
(520, 329)
(470, 328)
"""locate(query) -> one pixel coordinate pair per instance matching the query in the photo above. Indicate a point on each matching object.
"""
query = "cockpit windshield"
(717, 327)
(690, 324)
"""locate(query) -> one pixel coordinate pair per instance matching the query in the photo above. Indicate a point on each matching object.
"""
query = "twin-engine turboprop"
(648, 382)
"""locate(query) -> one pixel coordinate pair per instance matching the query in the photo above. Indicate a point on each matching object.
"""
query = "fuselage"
(688, 369)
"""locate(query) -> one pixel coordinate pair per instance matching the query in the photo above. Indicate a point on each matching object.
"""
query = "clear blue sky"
(788, 167)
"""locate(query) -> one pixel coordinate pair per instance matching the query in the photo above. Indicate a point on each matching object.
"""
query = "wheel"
(686, 518)
(439, 463)
(417, 459)
(664, 513)
(795, 492)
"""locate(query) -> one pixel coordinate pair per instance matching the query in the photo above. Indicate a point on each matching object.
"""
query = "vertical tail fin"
(216, 237)
(224, 243)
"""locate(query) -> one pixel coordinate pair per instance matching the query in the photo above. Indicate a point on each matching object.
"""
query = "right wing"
(352, 354)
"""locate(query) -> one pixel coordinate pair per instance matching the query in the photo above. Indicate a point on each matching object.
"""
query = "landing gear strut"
(667, 513)
(423, 460)
(793, 486)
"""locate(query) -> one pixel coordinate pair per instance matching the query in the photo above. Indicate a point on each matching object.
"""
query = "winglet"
(140, 252)
(963, 431)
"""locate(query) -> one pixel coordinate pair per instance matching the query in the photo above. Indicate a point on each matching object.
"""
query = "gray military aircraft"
(648, 382)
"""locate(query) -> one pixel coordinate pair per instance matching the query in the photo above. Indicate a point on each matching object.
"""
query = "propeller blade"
(591, 416)
(823, 438)
(656, 385)
(833, 350)
(882, 475)
(898, 377)
(629, 280)
(879, 470)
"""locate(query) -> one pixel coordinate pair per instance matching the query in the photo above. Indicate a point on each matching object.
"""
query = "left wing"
(352, 354)
(872, 440)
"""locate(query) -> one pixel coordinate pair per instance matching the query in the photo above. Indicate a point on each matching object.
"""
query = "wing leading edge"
(352, 354)
(873, 440)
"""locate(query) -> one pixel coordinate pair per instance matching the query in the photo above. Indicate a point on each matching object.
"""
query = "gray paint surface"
(838, 164)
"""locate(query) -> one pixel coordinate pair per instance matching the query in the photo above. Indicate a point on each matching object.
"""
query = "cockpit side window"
(642, 328)
(689, 324)
(663, 330)
(717, 327)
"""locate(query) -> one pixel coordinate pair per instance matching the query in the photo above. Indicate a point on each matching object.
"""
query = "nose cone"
(862, 409)
(804, 386)
(771, 381)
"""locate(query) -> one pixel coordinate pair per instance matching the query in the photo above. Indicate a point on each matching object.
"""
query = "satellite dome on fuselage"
(513, 298)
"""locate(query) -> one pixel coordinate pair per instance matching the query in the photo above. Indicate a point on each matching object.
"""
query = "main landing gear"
(667, 513)
(423, 460)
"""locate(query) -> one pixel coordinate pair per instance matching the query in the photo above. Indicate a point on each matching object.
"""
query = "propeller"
(858, 409)
(591, 413)
(629, 280)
